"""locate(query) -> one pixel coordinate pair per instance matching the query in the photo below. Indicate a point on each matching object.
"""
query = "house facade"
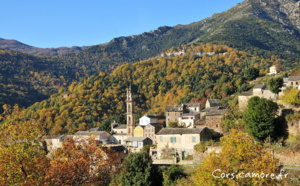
(180, 141)
(259, 90)
(188, 120)
(119, 133)
(150, 131)
(293, 81)
(135, 144)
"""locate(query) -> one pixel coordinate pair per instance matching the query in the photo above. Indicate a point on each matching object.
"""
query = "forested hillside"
(156, 83)
(25, 79)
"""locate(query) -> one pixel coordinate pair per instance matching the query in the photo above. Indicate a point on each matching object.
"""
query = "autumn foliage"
(240, 155)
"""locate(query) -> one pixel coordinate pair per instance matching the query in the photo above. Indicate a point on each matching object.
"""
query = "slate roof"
(214, 102)
(259, 86)
(246, 94)
(121, 126)
(294, 78)
(190, 114)
(168, 131)
(140, 139)
(156, 125)
(95, 129)
(192, 104)
(174, 108)
(157, 117)
(216, 112)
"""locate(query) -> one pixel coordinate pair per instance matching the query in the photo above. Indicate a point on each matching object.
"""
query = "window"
(160, 138)
(194, 139)
(172, 139)
(297, 83)
(291, 83)
(195, 109)
(175, 114)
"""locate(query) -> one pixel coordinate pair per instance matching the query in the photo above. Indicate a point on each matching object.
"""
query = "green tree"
(259, 118)
(275, 84)
(173, 124)
(251, 73)
(137, 169)
(172, 174)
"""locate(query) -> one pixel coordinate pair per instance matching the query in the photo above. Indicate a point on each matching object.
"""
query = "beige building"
(260, 90)
(213, 103)
(119, 133)
(99, 136)
(150, 131)
(180, 140)
(293, 81)
(135, 144)
(54, 142)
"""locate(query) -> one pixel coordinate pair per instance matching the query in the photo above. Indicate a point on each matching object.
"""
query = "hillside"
(21, 47)
(156, 83)
(26, 79)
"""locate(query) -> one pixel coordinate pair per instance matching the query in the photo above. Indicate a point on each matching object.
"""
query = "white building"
(147, 119)
(188, 119)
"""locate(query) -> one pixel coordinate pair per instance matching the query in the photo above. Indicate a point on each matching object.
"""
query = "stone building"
(150, 131)
(135, 144)
(180, 141)
(293, 81)
(99, 136)
(119, 133)
(259, 90)
(213, 103)
(54, 142)
(173, 112)
(214, 118)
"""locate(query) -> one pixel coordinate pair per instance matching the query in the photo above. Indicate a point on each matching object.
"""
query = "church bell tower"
(130, 114)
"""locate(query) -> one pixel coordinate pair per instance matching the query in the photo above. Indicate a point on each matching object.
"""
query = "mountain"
(260, 27)
(156, 83)
(21, 47)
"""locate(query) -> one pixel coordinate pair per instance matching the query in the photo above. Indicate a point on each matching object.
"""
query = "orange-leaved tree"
(23, 159)
(83, 163)
(243, 161)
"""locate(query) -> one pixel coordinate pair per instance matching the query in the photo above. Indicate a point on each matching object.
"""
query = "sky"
(59, 23)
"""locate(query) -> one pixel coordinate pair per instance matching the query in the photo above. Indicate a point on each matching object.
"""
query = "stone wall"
(292, 159)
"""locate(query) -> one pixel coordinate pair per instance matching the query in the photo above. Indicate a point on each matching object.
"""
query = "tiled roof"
(294, 78)
(157, 117)
(95, 129)
(166, 131)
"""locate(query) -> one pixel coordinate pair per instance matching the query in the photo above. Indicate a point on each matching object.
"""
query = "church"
(120, 132)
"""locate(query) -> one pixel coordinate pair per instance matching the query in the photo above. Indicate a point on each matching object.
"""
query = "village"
(172, 138)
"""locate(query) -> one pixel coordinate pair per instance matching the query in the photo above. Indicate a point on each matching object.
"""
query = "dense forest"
(156, 83)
